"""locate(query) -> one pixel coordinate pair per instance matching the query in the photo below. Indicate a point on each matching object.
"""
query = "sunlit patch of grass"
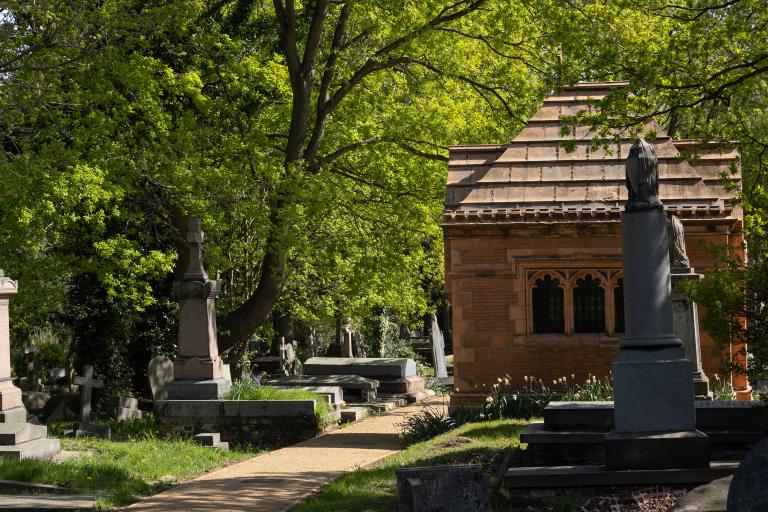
(375, 489)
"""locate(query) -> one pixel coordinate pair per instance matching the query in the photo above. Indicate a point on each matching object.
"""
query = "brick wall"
(488, 270)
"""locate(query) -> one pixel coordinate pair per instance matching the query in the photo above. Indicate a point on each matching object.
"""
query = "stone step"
(38, 449)
(18, 433)
(37, 502)
(599, 476)
(351, 414)
(208, 438)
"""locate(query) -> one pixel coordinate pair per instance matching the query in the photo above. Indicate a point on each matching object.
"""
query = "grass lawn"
(134, 464)
(375, 488)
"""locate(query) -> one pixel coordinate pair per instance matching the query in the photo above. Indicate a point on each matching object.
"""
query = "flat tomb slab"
(234, 408)
(342, 381)
(334, 393)
(397, 368)
(599, 476)
(711, 415)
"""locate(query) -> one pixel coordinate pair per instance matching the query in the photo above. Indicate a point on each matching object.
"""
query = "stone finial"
(676, 235)
(642, 178)
(194, 251)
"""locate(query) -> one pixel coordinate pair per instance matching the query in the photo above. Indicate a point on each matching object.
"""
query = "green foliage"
(722, 389)
(529, 401)
(429, 422)
(592, 390)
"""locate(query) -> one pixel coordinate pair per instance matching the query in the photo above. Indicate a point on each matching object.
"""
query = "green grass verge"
(375, 489)
(120, 471)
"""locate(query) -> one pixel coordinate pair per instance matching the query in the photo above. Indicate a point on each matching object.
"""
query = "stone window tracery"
(548, 305)
(575, 301)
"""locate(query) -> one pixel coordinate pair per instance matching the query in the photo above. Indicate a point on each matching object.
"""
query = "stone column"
(346, 340)
(11, 408)
(686, 324)
(199, 372)
(654, 414)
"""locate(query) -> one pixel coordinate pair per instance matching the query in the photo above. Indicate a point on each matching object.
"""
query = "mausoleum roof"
(534, 178)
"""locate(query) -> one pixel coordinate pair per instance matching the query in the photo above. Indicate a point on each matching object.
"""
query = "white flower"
(489, 399)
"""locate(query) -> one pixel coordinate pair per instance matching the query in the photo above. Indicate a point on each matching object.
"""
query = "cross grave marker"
(87, 383)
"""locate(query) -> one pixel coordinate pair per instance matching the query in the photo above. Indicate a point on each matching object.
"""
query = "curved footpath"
(279, 480)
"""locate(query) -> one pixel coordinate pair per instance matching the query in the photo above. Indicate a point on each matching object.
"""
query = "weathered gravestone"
(85, 428)
(444, 489)
(749, 488)
(160, 375)
(33, 377)
(126, 408)
(438, 350)
(346, 341)
(685, 318)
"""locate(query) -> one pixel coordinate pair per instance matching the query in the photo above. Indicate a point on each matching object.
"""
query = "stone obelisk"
(199, 372)
(654, 414)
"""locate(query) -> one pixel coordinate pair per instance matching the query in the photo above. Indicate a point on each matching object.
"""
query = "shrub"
(507, 402)
(529, 401)
(426, 424)
(722, 389)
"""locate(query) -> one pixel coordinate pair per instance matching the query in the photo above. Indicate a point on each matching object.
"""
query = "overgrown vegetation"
(429, 422)
(247, 389)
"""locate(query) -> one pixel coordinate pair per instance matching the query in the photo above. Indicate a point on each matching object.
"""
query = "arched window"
(588, 305)
(548, 315)
(618, 304)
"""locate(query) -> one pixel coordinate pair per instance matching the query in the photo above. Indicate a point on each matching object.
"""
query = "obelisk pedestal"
(18, 439)
(686, 325)
(199, 371)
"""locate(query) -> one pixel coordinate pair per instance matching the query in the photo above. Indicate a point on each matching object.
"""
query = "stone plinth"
(685, 319)
(397, 368)
(654, 415)
(18, 439)
(199, 371)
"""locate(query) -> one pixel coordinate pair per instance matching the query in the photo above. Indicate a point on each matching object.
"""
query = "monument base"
(213, 389)
(701, 387)
(656, 450)
(654, 391)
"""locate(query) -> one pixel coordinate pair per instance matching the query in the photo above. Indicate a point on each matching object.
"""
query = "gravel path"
(281, 479)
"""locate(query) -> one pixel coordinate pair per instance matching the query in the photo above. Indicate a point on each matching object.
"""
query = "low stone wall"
(276, 422)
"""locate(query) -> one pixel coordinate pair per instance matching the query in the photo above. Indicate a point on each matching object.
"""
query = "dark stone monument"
(654, 415)
(85, 428)
(749, 488)
(444, 489)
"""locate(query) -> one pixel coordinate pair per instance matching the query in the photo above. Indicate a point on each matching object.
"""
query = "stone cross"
(194, 256)
(33, 379)
(86, 383)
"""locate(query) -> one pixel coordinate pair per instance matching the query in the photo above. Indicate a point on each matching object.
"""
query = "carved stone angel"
(642, 178)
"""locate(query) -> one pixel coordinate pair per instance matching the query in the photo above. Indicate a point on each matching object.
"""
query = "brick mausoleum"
(533, 262)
